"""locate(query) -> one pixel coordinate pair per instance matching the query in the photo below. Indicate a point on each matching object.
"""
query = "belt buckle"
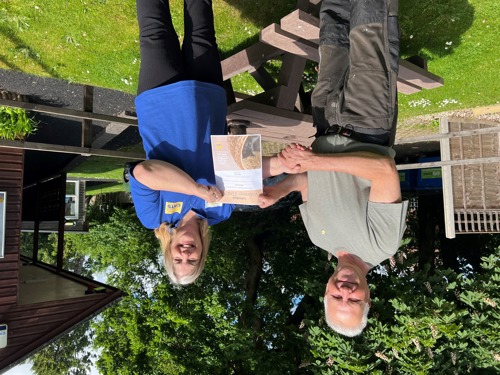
(346, 132)
(333, 129)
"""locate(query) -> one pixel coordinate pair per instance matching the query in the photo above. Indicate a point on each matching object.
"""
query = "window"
(71, 212)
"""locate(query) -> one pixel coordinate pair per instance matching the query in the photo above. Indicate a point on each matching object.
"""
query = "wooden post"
(88, 106)
(292, 70)
(229, 92)
(85, 151)
(64, 112)
(263, 78)
(60, 228)
(449, 210)
(36, 229)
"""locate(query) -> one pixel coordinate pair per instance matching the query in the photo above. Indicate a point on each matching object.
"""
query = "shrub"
(15, 124)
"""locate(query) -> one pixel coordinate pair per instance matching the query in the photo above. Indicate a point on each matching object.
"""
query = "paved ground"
(60, 93)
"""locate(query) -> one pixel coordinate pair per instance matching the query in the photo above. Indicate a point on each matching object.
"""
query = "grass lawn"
(95, 41)
(109, 170)
(112, 187)
(459, 40)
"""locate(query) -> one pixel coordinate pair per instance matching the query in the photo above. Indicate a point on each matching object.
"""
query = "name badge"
(173, 208)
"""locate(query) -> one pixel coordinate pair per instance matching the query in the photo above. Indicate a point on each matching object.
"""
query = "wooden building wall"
(31, 327)
(11, 181)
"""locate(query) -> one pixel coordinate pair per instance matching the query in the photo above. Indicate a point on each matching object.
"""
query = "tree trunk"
(252, 280)
(428, 212)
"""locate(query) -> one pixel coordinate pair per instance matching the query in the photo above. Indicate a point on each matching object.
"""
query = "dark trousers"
(357, 80)
(162, 60)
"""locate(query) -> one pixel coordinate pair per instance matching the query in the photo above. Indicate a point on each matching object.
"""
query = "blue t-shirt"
(175, 123)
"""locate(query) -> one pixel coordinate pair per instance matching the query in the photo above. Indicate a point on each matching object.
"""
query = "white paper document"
(238, 167)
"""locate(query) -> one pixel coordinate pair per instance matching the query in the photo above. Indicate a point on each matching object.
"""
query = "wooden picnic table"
(279, 113)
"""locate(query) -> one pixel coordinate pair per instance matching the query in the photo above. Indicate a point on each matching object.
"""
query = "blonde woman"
(183, 265)
(180, 103)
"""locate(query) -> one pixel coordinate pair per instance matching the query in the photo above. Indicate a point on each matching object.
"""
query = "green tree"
(69, 355)
(242, 316)
(257, 307)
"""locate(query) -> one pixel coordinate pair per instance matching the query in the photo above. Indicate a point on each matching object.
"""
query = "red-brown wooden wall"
(11, 181)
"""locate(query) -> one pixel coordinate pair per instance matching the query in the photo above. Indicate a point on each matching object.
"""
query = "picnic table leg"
(228, 86)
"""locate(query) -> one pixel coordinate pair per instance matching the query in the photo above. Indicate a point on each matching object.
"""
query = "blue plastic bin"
(408, 179)
(429, 178)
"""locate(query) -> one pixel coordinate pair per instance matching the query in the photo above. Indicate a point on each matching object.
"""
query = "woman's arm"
(293, 182)
(160, 175)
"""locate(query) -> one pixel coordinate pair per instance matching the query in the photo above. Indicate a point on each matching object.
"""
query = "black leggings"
(162, 60)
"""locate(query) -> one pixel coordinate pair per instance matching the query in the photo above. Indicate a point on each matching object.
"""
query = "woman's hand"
(297, 157)
(209, 193)
(269, 197)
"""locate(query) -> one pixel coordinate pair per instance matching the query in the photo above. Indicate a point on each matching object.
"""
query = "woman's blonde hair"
(165, 234)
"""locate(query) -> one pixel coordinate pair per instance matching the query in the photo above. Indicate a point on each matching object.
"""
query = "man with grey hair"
(348, 179)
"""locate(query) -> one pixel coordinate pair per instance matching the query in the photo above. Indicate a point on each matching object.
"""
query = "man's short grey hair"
(349, 332)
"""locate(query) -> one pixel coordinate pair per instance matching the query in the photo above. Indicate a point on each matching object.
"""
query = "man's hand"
(209, 194)
(272, 166)
(297, 158)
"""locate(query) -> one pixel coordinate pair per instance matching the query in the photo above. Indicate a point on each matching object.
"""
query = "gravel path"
(426, 124)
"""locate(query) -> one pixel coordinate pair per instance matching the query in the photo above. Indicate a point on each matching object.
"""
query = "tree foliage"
(422, 323)
(69, 355)
(257, 307)
(15, 124)
(237, 318)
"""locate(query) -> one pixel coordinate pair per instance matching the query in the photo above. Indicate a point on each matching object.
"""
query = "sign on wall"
(3, 219)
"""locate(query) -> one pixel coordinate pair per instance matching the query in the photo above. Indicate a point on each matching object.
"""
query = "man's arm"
(160, 175)
(378, 169)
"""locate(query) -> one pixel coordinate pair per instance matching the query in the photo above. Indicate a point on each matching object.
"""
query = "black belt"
(379, 139)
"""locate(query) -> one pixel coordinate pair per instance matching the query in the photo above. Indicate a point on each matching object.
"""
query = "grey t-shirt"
(338, 214)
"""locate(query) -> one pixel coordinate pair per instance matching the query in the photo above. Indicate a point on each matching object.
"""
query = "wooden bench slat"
(301, 24)
(282, 117)
(249, 59)
(405, 87)
(274, 124)
(276, 37)
(418, 76)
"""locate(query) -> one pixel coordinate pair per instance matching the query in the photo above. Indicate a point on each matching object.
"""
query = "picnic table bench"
(279, 113)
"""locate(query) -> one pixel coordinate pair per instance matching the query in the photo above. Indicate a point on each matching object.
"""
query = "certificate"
(238, 167)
